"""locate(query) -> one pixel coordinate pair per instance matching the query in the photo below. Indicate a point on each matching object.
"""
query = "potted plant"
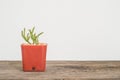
(33, 52)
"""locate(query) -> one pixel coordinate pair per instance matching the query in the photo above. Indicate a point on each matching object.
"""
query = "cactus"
(31, 35)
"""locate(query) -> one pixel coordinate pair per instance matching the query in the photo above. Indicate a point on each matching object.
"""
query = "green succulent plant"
(31, 37)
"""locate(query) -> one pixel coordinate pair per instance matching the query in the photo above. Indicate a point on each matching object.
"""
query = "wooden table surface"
(63, 70)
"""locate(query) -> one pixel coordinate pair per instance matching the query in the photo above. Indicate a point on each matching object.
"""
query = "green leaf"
(33, 29)
(40, 34)
(24, 31)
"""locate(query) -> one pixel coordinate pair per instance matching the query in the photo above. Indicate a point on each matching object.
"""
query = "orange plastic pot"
(34, 57)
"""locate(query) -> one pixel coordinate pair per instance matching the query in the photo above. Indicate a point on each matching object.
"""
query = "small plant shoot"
(30, 36)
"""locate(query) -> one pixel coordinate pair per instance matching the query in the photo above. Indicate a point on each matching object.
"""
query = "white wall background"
(74, 29)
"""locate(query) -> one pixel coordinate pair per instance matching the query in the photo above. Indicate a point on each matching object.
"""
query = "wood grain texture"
(63, 70)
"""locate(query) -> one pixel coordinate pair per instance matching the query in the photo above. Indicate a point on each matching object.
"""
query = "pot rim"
(40, 44)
